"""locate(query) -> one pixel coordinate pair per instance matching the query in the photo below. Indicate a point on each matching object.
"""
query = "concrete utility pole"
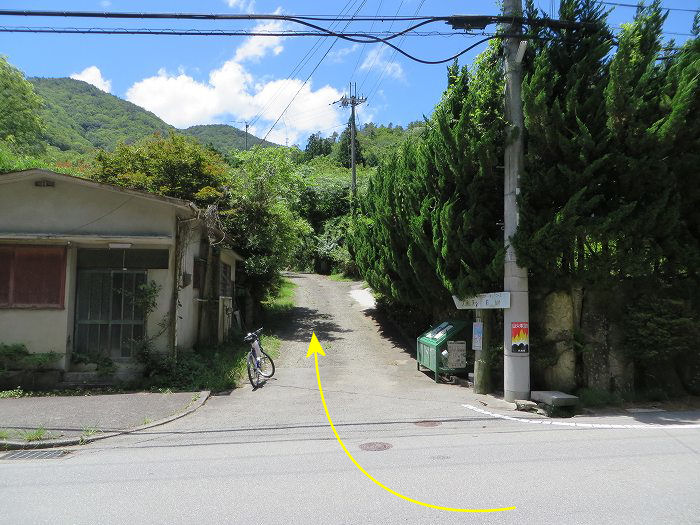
(516, 344)
(352, 101)
(246, 135)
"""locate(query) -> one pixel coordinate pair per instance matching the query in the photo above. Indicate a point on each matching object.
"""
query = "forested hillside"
(79, 117)
(608, 205)
(223, 137)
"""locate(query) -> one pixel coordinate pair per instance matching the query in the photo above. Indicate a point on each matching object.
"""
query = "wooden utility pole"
(516, 347)
(352, 101)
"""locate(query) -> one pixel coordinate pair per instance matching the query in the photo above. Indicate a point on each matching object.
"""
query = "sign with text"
(456, 354)
(484, 301)
(520, 338)
(477, 335)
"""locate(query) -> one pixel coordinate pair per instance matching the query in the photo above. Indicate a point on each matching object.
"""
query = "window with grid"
(32, 276)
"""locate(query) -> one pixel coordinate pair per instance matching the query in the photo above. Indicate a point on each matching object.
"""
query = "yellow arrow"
(315, 349)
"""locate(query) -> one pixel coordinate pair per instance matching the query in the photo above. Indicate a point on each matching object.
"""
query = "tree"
(343, 153)
(261, 214)
(20, 123)
(176, 166)
(317, 146)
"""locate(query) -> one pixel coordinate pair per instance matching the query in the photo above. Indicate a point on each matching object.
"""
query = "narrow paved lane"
(268, 456)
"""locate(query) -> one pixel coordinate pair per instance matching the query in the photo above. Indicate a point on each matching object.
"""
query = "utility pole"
(352, 101)
(516, 343)
(246, 135)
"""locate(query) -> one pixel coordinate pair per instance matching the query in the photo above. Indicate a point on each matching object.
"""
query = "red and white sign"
(520, 338)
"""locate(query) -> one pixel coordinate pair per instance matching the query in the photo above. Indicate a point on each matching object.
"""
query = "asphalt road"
(269, 456)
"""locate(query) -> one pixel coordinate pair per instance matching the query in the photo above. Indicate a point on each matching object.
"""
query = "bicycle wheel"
(267, 365)
(253, 372)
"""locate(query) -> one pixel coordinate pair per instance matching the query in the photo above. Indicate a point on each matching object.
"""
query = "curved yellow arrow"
(316, 349)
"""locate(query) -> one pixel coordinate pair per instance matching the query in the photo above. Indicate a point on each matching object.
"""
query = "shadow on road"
(298, 323)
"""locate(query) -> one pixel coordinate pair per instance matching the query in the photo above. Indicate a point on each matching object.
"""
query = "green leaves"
(20, 123)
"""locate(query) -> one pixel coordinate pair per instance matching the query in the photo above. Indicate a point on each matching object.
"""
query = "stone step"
(553, 398)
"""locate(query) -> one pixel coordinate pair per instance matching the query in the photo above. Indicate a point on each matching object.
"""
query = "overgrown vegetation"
(17, 357)
(608, 203)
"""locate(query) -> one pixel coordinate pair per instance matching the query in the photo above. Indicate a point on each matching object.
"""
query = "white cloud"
(256, 47)
(105, 3)
(244, 5)
(93, 75)
(376, 60)
(231, 91)
(338, 56)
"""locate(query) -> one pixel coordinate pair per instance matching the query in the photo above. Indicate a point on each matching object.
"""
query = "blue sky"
(201, 80)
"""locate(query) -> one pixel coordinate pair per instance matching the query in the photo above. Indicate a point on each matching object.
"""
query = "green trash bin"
(443, 349)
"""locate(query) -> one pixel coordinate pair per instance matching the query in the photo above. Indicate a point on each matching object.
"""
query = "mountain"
(223, 137)
(80, 117)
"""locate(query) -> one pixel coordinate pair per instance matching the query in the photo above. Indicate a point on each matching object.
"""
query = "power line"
(300, 64)
(205, 16)
(375, 87)
(636, 6)
(362, 50)
(308, 77)
(374, 59)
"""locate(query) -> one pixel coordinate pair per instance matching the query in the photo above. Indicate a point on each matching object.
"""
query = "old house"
(89, 270)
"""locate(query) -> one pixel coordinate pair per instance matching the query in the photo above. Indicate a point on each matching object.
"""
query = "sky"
(188, 80)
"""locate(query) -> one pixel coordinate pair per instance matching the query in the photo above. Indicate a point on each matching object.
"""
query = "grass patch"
(281, 300)
(597, 397)
(8, 394)
(34, 435)
(341, 277)
(215, 368)
(4, 433)
(90, 431)
(271, 344)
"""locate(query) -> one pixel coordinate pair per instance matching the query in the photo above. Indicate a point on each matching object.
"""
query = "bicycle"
(260, 364)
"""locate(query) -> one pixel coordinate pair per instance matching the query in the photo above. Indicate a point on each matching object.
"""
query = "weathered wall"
(70, 207)
(557, 318)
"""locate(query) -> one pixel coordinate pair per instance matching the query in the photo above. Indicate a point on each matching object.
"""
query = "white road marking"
(364, 297)
(580, 425)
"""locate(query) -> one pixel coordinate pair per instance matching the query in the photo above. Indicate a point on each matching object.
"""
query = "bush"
(597, 397)
(17, 357)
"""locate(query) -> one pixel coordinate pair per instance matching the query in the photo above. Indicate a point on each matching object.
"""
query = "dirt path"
(349, 336)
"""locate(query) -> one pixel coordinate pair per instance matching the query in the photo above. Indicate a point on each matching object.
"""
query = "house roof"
(179, 203)
(182, 204)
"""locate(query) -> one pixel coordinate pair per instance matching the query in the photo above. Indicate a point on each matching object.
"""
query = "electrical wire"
(375, 87)
(300, 64)
(374, 59)
(636, 6)
(308, 77)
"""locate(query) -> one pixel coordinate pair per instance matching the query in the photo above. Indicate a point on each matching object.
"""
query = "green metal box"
(449, 336)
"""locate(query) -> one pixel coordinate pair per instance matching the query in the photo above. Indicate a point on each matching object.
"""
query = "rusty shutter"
(39, 276)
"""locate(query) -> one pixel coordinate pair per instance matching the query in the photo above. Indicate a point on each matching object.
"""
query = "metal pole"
(352, 151)
(516, 354)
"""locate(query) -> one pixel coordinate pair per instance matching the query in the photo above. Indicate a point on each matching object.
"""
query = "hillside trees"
(20, 124)
(261, 214)
(176, 166)
(428, 225)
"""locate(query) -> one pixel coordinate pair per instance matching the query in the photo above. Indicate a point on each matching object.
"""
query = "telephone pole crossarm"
(352, 101)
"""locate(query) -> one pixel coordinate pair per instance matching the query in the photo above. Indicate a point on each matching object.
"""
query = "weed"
(147, 421)
(195, 397)
(90, 431)
(341, 277)
(4, 433)
(34, 435)
(16, 393)
(597, 397)
(281, 300)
